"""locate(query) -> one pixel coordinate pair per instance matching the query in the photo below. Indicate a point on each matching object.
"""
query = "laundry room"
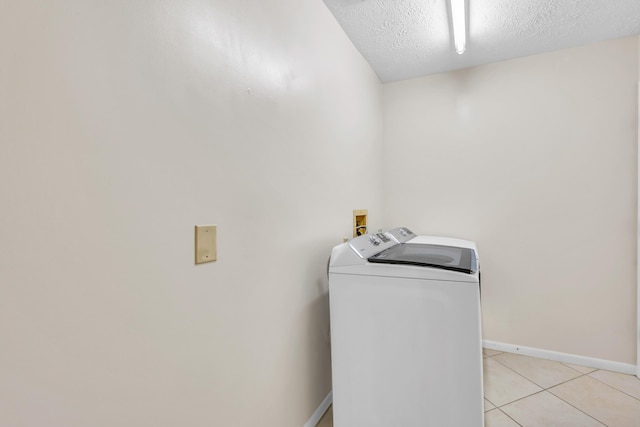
(125, 124)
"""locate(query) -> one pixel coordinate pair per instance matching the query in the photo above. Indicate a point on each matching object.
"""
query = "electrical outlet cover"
(206, 250)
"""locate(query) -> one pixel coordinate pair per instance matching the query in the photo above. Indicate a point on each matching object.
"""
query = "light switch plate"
(206, 250)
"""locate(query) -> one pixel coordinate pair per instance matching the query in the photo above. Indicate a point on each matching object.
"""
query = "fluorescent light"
(458, 17)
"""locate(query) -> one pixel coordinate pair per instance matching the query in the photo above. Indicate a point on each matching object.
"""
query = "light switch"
(205, 243)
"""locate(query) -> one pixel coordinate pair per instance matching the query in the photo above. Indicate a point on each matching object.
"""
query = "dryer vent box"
(359, 222)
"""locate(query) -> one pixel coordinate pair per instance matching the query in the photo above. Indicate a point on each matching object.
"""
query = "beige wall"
(535, 159)
(123, 124)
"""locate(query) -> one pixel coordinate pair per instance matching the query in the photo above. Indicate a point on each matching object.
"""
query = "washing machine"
(405, 332)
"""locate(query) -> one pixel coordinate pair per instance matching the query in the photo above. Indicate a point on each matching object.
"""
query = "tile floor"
(522, 391)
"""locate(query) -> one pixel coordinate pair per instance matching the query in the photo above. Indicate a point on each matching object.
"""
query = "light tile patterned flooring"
(522, 391)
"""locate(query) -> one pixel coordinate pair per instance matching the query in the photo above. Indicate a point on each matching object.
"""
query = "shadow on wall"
(318, 350)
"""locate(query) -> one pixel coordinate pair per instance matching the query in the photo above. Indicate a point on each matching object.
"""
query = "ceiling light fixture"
(458, 18)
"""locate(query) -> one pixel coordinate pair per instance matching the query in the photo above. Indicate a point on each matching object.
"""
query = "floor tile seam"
(510, 417)
(574, 406)
(505, 414)
(533, 357)
(494, 405)
(610, 386)
(519, 374)
(583, 373)
(547, 390)
(543, 388)
(580, 374)
(537, 392)
(566, 381)
(519, 399)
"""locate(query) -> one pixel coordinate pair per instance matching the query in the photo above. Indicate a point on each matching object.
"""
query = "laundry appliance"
(405, 332)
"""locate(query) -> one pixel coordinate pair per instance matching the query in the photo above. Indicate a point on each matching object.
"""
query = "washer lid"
(435, 256)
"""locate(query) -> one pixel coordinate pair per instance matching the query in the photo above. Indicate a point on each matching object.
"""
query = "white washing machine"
(405, 332)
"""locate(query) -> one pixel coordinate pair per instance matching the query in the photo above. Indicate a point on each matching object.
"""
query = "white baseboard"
(591, 362)
(315, 418)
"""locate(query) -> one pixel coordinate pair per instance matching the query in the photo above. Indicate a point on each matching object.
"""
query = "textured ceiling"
(402, 39)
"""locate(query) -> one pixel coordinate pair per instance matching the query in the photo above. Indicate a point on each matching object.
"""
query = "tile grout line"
(504, 413)
(595, 379)
(548, 390)
(570, 404)
(610, 386)
(581, 374)
(519, 374)
(521, 398)
(508, 416)
(554, 395)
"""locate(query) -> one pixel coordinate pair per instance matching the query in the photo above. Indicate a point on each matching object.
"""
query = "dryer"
(405, 332)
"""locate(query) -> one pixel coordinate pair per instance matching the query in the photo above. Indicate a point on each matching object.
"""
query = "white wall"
(535, 159)
(124, 124)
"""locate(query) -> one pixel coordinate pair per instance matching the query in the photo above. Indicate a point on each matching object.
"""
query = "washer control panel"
(368, 245)
(401, 234)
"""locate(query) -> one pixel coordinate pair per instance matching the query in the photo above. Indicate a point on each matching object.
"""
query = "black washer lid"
(435, 256)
